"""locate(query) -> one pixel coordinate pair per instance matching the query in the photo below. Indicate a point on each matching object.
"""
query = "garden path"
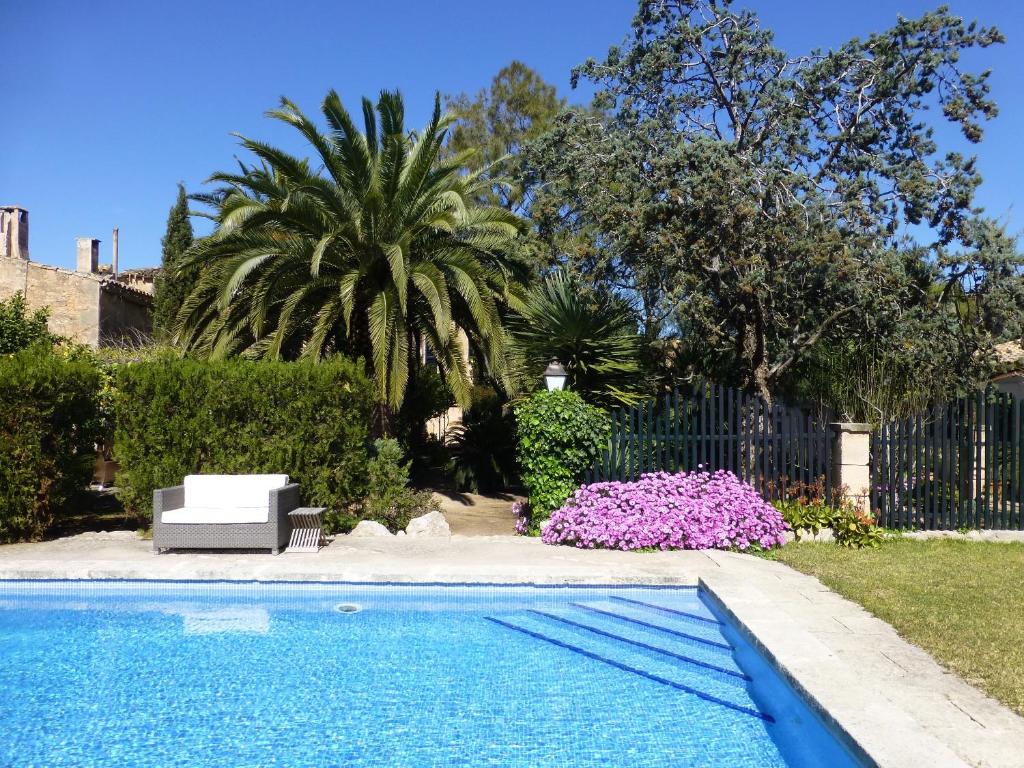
(474, 514)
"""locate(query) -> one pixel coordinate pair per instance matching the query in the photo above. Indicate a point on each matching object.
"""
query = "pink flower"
(689, 510)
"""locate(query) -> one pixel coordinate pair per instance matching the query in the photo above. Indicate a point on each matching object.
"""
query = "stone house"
(92, 304)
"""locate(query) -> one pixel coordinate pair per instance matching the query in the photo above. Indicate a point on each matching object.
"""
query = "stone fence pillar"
(851, 462)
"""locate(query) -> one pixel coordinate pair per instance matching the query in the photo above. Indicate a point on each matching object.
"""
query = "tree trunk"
(383, 421)
(751, 343)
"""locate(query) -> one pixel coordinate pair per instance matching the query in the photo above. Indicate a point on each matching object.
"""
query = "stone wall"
(13, 276)
(125, 317)
(85, 308)
(73, 301)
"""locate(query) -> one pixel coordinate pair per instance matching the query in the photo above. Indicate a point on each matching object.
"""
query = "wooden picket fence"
(961, 465)
(774, 448)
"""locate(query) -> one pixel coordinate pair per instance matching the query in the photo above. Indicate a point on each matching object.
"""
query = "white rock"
(367, 528)
(400, 533)
(430, 524)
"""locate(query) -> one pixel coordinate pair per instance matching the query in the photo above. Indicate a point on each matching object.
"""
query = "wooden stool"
(307, 529)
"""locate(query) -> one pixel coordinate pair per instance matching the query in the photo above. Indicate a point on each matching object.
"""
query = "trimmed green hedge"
(559, 438)
(49, 422)
(177, 417)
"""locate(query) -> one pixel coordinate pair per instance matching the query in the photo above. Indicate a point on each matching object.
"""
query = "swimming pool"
(204, 674)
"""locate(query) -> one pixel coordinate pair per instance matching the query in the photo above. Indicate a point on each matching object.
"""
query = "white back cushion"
(231, 491)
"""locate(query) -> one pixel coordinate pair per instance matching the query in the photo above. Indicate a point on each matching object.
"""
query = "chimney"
(114, 256)
(88, 255)
(14, 232)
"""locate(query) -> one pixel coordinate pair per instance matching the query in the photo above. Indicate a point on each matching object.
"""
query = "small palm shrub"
(593, 334)
(687, 510)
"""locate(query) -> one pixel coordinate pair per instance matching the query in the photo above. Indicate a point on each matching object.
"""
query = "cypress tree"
(172, 287)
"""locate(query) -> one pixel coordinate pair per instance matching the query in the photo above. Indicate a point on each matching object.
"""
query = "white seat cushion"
(231, 491)
(216, 515)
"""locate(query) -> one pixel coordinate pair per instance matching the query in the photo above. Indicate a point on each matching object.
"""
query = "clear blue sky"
(108, 104)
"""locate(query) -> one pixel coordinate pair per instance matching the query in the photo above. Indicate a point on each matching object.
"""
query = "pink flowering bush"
(521, 510)
(689, 510)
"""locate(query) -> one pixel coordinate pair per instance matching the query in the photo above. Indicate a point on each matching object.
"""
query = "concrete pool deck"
(892, 700)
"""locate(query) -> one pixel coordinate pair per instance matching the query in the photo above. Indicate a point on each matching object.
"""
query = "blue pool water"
(134, 674)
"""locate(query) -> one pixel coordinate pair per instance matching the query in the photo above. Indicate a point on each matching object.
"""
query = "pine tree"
(172, 287)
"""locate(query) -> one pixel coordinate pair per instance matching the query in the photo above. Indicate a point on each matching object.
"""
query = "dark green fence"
(772, 447)
(960, 465)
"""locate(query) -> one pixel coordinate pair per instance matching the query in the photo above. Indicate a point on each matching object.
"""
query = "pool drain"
(347, 608)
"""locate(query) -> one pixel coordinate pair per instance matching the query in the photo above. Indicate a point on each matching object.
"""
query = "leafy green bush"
(559, 438)
(18, 328)
(812, 514)
(803, 517)
(180, 416)
(48, 426)
(390, 501)
(854, 529)
(483, 446)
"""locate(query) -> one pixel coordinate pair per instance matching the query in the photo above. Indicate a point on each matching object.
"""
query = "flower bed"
(689, 510)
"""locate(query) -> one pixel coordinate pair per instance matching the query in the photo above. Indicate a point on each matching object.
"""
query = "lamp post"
(555, 376)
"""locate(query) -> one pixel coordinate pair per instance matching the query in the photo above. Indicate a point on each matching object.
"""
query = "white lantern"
(555, 376)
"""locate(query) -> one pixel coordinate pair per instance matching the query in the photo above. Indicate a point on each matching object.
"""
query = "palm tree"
(379, 248)
(594, 335)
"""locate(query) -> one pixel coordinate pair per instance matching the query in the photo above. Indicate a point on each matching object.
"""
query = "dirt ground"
(471, 514)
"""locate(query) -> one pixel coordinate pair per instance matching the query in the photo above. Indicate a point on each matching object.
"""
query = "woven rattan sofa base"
(272, 535)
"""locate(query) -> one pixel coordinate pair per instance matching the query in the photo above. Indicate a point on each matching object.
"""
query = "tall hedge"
(49, 423)
(178, 417)
(559, 437)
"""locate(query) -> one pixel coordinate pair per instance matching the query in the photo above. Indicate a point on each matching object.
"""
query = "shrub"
(48, 426)
(19, 329)
(688, 510)
(180, 416)
(811, 513)
(390, 501)
(854, 529)
(559, 438)
(803, 516)
(483, 446)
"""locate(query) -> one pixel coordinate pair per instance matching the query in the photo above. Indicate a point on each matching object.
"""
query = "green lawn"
(961, 601)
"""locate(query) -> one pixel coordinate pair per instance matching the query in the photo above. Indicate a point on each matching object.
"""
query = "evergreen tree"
(172, 286)
(750, 201)
(497, 122)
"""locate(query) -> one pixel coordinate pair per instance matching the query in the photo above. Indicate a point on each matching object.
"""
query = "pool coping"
(875, 731)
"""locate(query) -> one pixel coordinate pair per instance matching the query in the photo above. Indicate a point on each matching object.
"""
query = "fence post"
(851, 462)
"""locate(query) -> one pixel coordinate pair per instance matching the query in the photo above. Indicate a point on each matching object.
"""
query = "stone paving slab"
(890, 698)
(454, 559)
